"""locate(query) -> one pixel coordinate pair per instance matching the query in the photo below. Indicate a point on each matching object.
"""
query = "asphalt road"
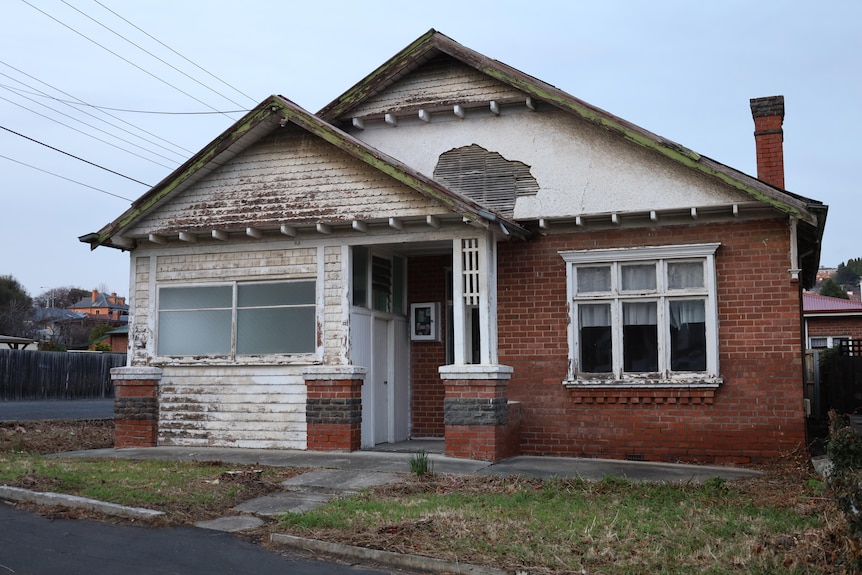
(62, 409)
(33, 545)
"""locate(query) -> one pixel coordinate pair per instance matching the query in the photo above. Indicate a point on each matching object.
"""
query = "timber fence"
(35, 375)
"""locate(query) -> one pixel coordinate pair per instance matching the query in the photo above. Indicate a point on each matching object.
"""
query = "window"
(260, 318)
(643, 315)
(824, 342)
(384, 278)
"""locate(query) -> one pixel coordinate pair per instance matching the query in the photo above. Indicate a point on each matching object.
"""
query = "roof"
(101, 301)
(820, 304)
(272, 112)
(50, 314)
(265, 118)
(811, 213)
(16, 340)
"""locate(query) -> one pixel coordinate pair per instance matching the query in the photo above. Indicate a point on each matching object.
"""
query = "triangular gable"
(432, 44)
(269, 116)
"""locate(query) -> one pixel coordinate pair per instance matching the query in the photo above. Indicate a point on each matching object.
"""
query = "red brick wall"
(757, 412)
(426, 282)
(835, 326)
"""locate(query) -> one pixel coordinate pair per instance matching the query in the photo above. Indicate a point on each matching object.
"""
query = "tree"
(61, 297)
(831, 288)
(16, 306)
(846, 277)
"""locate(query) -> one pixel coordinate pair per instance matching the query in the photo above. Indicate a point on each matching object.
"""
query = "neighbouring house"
(830, 320)
(830, 323)
(102, 306)
(117, 340)
(454, 249)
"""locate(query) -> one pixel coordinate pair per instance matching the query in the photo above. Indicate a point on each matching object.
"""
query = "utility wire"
(237, 90)
(150, 53)
(127, 110)
(120, 57)
(94, 128)
(86, 134)
(74, 156)
(67, 179)
(23, 92)
(96, 107)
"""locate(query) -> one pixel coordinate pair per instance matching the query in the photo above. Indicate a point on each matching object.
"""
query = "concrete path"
(344, 474)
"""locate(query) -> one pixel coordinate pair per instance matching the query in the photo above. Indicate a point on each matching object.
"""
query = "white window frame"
(831, 340)
(659, 255)
(233, 356)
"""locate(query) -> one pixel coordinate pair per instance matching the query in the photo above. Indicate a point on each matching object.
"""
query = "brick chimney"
(768, 114)
(95, 295)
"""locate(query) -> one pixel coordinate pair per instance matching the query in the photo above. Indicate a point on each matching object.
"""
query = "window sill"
(699, 383)
(701, 392)
(221, 361)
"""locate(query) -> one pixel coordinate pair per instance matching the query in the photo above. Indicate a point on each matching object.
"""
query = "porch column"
(480, 423)
(333, 409)
(136, 406)
(474, 284)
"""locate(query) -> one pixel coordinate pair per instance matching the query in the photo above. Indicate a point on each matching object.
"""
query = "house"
(454, 249)
(117, 340)
(102, 306)
(830, 320)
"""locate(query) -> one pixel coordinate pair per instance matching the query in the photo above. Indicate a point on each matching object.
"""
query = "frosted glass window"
(638, 277)
(594, 279)
(196, 297)
(271, 318)
(685, 275)
(194, 332)
(278, 330)
(275, 294)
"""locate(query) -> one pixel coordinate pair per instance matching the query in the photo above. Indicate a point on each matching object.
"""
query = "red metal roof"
(813, 303)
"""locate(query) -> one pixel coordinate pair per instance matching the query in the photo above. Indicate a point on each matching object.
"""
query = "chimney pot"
(768, 115)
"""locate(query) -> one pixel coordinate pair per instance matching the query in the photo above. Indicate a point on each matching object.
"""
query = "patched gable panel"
(442, 82)
(291, 177)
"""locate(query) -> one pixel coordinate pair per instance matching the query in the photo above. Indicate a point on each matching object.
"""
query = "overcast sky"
(684, 70)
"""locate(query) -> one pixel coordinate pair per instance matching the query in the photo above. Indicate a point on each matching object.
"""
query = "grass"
(783, 522)
(572, 526)
(182, 489)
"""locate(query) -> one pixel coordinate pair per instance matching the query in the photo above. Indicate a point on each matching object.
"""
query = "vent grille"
(485, 177)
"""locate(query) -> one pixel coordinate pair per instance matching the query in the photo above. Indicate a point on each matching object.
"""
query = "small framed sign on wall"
(425, 321)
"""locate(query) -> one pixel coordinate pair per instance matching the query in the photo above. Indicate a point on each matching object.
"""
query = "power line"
(85, 133)
(67, 179)
(237, 90)
(74, 156)
(150, 53)
(84, 103)
(23, 92)
(127, 110)
(120, 57)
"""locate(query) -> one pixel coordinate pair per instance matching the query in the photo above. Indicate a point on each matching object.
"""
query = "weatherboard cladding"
(443, 82)
(290, 177)
(256, 407)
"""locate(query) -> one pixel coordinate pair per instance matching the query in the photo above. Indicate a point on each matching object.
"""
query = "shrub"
(845, 478)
